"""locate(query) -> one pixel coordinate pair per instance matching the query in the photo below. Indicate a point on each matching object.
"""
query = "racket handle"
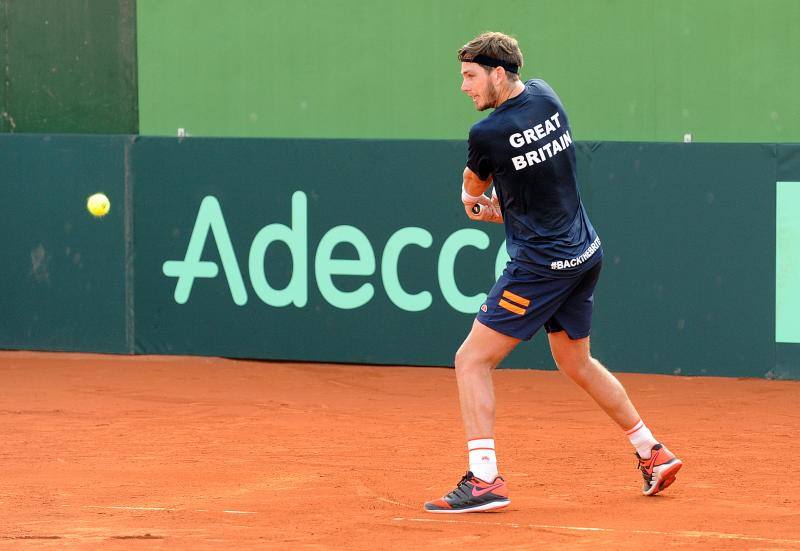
(476, 208)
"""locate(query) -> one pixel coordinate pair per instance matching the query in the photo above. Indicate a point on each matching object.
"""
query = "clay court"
(116, 452)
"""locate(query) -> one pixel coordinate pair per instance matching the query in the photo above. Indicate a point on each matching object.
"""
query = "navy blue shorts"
(521, 302)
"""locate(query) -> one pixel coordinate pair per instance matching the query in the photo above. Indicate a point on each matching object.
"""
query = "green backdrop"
(700, 272)
(634, 70)
(302, 251)
(64, 272)
(68, 66)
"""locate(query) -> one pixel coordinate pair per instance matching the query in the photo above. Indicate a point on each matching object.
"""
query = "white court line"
(124, 508)
(395, 502)
(679, 533)
(127, 508)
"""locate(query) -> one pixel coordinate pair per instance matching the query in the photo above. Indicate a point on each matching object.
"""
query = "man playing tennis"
(524, 147)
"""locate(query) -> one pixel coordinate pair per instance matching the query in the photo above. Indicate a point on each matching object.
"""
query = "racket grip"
(476, 208)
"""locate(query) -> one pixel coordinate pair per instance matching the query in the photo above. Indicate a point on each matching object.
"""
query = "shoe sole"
(665, 477)
(477, 509)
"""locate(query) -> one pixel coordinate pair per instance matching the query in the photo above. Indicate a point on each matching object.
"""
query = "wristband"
(468, 199)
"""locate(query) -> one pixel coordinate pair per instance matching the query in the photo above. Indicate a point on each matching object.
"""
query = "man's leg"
(573, 358)
(481, 351)
(481, 490)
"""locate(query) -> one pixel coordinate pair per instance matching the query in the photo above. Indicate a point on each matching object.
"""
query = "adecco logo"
(210, 219)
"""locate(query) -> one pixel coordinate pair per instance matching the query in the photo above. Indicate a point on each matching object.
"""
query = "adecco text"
(210, 219)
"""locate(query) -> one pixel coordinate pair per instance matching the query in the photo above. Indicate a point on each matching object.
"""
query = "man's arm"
(473, 184)
(472, 193)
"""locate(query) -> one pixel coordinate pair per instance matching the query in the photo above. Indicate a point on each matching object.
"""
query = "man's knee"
(464, 359)
(483, 349)
(567, 352)
(574, 361)
(580, 370)
(468, 359)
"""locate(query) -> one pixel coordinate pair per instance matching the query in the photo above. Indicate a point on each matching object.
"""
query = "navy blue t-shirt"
(526, 146)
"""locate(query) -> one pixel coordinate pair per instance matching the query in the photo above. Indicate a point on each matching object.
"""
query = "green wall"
(64, 272)
(632, 70)
(299, 250)
(68, 66)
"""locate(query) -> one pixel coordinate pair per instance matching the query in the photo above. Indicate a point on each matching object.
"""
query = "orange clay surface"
(110, 452)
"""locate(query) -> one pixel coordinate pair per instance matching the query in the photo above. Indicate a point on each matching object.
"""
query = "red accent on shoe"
(659, 469)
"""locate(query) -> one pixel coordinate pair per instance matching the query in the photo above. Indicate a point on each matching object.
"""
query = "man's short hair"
(494, 45)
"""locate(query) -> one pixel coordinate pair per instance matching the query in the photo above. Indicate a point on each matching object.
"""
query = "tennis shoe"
(472, 495)
(658, 470)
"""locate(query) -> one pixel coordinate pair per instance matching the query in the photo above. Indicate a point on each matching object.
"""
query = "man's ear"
(499, 75)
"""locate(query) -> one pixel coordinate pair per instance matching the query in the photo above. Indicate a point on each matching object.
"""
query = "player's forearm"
(473, 184)
(476, 204)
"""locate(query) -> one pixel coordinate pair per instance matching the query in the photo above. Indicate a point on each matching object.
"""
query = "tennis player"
(524, 148)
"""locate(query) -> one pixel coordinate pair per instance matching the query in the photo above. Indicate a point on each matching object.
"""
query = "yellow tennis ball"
(98, 205)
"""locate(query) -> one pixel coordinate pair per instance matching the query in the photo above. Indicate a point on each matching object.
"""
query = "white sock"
(642, 439)
(482, 459)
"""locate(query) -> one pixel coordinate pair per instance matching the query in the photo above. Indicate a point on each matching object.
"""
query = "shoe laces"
(459, 491)
(642, 466)
(648, 477)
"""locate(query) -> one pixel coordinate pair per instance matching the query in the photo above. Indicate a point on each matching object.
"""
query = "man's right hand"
(489, 208)
(489, 212)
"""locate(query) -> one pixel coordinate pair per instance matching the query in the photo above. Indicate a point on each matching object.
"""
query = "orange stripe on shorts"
(516, 298)
(511, 307)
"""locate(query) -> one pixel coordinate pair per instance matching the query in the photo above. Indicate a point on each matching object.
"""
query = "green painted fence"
(68, 66)
(636, 70)
(358, 251)
(64, 273)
